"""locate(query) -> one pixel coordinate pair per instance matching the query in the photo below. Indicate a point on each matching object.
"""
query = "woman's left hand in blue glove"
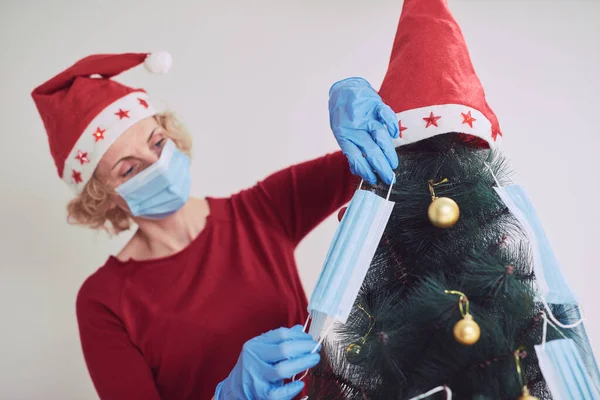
(364, 126)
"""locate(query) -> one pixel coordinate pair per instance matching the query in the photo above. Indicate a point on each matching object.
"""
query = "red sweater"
(172, 328)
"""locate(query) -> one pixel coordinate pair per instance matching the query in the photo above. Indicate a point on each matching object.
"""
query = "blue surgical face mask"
(552, 290)
(162, 188)
(552, 285)
(348, 259)
(564, 371)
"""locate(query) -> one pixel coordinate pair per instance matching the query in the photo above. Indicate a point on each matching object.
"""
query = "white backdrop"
(250, 79)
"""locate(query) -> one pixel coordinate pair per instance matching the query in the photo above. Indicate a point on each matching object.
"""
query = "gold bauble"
(355, 353)
(443, 212)
(466, 331)
(526, 395)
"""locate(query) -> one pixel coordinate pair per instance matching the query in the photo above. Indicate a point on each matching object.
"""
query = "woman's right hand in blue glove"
(264, 363)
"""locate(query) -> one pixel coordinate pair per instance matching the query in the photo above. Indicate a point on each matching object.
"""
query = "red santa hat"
(84, 111)
(431, 83)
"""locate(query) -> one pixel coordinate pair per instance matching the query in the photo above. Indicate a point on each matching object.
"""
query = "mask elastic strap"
(306, 324)
(304, 330)
(435, 390)
(553, 319)
(390, 189)
(319, 343)
(544, 331)
(550, 319)
(493, 175)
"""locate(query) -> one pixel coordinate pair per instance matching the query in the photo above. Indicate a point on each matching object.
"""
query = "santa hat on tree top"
(431, 83)
(84, 111)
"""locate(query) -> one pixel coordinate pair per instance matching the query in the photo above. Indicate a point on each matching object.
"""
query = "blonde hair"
(94, 206)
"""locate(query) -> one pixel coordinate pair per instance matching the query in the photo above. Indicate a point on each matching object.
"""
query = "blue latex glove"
(364, 126)
(265, 361)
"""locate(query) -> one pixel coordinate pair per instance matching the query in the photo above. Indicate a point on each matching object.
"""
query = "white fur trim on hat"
(425, 122)
(100, 134)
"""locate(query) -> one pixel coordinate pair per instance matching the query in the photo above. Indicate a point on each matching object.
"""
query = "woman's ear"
(117, 202)
(112, 200)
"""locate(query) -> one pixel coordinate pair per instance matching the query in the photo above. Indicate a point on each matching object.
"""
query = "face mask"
(564, 371)
(162, 188)
(552, 289)
(348, 259)
(563, 368)
(552, 285)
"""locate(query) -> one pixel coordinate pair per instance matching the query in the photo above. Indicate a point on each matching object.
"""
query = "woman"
(181, 312)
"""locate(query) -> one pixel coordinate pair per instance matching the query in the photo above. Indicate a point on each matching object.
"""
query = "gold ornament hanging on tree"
(357, 352)
(525, 395)
(466, 331)
(443, 212)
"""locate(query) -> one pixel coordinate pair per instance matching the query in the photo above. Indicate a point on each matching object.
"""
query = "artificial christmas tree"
(452, 298)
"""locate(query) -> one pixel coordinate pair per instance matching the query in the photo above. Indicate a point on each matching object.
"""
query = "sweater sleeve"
(117, 367)
(295, 200)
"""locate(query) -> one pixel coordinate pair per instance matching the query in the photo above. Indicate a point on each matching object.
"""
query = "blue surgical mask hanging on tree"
(552, 285)
(348, 259)
(553, 289)
(565, 372)
(162, 188)
(562, 366)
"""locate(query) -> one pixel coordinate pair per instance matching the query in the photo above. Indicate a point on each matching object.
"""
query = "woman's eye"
(160, 143)
(128, 172)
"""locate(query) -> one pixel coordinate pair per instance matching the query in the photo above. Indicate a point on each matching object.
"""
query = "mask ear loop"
(493, 175)
(553, 319)
(387, 198)
(389, 189)
(435, 390)
(550, 319)
(544, 331)
(319, 343)
(306, 324)
(304, 330)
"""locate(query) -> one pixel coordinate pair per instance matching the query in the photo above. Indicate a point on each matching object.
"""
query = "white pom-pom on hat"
(158, 62)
